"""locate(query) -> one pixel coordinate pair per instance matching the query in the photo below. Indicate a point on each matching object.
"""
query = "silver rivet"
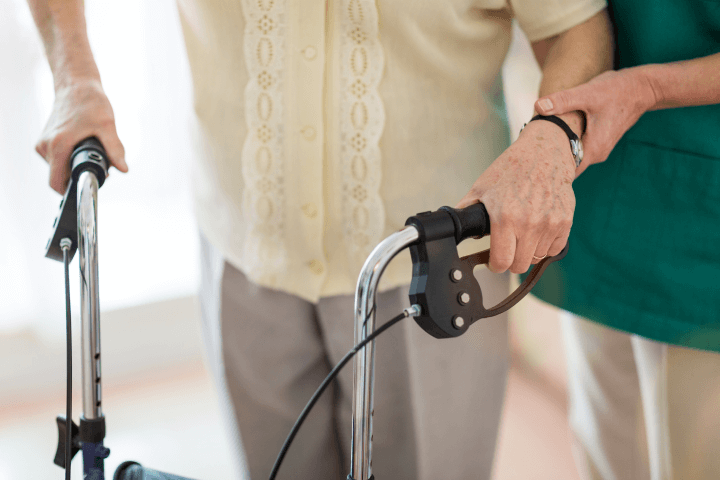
(458, 322)
(456, 275)
(464, 298)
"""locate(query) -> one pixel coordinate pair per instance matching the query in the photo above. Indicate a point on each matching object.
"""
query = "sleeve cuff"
(563, 22)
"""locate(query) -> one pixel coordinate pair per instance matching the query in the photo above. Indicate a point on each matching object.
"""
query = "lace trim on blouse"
(362, 119)
(262, 154)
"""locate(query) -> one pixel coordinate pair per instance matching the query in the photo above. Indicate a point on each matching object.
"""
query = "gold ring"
(539, 258)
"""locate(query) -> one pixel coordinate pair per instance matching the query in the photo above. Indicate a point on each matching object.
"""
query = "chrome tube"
(89, 294)
(363, 369)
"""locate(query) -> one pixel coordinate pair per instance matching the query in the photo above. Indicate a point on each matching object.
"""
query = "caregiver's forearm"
(684, 84)
(61, 24)
(574, 57)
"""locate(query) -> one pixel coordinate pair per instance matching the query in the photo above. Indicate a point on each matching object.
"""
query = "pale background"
(161, 407)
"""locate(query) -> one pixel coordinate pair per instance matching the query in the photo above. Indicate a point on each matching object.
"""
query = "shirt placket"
(306, 52)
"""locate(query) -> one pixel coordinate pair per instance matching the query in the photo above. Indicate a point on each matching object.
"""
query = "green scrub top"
(644, 251)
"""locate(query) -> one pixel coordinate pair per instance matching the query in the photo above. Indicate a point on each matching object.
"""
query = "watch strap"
(559, 122)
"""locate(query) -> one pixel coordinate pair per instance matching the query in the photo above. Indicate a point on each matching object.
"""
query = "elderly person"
(321, 127)
(644, 246)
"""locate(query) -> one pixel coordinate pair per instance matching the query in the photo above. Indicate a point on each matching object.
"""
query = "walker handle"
(95, 159)
(455, 223)
(88, 155)
(471, 221)
(443, 284)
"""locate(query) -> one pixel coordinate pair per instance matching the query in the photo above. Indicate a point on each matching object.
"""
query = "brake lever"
(88, 155)
(482, 258)
(443, 284)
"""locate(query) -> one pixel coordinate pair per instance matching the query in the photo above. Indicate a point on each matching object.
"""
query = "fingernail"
(546, 104)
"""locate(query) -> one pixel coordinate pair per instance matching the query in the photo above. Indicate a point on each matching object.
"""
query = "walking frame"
(445, 297)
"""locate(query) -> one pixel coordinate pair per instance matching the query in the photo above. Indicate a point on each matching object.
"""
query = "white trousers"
(627, 394)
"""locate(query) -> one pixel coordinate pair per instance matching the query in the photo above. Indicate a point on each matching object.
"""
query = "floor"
(169, 422)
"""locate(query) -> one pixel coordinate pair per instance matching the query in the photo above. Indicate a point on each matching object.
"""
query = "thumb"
(561, 102)
(466, 201)
(115, 149)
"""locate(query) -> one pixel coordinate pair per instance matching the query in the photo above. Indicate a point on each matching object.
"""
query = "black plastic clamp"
(88, 155)
(443, 284)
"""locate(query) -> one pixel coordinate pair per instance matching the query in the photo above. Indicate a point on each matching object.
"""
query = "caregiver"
(645, 247)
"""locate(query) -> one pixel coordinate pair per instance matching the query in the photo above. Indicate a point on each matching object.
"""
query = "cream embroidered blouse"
(322, 126)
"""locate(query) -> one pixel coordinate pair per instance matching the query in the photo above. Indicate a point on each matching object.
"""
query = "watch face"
(581, 152)
(577, 151)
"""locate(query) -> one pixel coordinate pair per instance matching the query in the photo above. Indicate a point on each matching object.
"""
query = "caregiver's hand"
(612, 102)
(81, 110)
(529, 197)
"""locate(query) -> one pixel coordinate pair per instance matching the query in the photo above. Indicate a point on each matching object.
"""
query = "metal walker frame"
(439, 276)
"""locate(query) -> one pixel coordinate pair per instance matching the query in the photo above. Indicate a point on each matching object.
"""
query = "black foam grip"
(90, 155)
(90, 142)
(471, 221)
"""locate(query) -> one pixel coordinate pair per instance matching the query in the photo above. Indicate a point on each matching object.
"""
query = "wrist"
(76, 76)
(647, 79)
(576, 146)
(546, 136)
(74, 67)
(575, 120)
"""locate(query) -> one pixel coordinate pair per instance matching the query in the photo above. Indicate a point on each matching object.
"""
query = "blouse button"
(310, 210)
(316, 267)
(308, 132)
(309, 52)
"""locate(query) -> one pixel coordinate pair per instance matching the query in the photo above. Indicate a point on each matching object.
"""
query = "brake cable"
(411, 311)
(65, 245)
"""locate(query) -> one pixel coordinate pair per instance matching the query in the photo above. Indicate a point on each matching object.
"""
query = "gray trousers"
(437, 402)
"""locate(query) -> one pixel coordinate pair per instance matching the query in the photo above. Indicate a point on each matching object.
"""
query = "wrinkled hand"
(81, 110)
(528, 194)
(612, 103)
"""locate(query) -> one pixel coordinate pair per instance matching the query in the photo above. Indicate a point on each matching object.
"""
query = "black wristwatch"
(576, 146)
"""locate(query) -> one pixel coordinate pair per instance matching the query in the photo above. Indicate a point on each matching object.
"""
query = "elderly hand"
(81, 110)
(612, 102)
(529, 197)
